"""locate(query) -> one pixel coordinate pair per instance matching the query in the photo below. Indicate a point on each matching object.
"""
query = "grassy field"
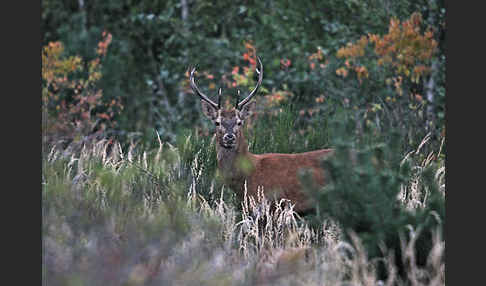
(158, 217)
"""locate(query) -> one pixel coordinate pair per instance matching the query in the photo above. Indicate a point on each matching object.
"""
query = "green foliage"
(283, 133)
(153, 46)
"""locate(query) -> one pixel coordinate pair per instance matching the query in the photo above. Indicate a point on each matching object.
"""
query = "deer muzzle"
(229, 140)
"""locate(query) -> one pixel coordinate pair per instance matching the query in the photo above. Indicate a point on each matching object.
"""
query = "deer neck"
(234, 164)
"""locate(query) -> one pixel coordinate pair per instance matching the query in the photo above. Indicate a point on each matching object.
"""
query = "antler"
(253, 92)
(202, 95)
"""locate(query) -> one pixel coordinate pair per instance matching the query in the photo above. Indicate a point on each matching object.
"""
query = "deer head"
(228, 123)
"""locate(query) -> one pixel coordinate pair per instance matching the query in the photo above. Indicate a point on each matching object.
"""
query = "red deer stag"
(278, 174)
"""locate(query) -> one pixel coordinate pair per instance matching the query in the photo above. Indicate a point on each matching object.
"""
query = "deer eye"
(239, 123)
(217, 123)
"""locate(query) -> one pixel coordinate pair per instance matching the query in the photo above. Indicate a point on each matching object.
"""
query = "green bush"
(364, 184)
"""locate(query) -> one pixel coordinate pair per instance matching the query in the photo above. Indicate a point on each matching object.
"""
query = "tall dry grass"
(137, 217)
(415, 194)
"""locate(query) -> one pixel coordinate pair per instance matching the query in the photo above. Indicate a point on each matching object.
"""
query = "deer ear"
(248, 110)
(209, 110)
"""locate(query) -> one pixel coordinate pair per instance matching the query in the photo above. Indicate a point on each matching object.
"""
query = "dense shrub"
(365, 182)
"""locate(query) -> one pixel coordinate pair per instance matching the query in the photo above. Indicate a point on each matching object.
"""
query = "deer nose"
(229, 137)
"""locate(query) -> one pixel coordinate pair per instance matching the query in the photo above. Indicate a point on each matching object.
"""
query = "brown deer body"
(278, 174)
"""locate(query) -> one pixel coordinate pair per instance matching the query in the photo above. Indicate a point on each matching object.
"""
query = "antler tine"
(219, 98)
(237, 99)
(199, 93)
(253, 92)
